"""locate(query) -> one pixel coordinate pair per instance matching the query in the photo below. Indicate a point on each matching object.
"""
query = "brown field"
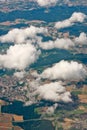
(17, 118)
(67, 123)
(6, 121)
(83, 98)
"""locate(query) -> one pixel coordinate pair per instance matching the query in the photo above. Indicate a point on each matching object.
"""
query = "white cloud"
(19, 56)
(53, 92)
(66, 71)
(46, 2)
(63, 43)
(63, 24)
(82, 39)
(76, 17)
(22, 35)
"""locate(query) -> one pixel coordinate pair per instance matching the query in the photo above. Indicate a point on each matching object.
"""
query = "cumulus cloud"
(46, 2)
(82, 39)
(63, 43)
(76, 17)
(66, 71)
(53, 92)
(22, 35)
(63, 24)
(19, 56)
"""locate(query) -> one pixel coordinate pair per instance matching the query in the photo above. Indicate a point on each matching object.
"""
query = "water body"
(55, 13)
(37, 125)
(28, 113)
